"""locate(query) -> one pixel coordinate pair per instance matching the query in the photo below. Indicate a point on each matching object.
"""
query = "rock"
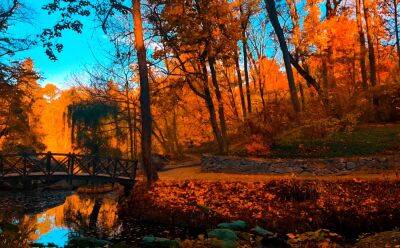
(351, 165)
(238, 225)
(151, 241)
(230, 164)
(319, 238)
(261, 231)
(245, 236)
(383, 239)
(223, 234)
(223, 243)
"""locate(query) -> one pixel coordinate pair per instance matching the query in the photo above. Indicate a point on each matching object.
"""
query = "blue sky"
(79, 49)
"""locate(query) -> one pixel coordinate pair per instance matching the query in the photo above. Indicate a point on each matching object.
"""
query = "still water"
(55, 217)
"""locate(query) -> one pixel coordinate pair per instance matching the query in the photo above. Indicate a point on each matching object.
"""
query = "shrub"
(257, 146)
(387, 102)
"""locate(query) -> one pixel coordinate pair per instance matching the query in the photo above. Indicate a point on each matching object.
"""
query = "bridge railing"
(70, 165)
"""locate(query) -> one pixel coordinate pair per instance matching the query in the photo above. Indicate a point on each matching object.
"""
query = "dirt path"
(194, 173)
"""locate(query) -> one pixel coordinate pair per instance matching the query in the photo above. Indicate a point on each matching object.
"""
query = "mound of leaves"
(346, 207)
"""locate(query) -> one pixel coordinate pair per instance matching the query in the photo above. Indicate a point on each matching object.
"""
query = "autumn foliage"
(347, 207)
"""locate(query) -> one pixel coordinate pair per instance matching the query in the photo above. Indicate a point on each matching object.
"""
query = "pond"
(56, 217)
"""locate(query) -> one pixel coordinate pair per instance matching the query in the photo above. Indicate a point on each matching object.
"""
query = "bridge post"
(115, 170)
(26, 184)
(71, 162)
(48, 166)
(94, 168)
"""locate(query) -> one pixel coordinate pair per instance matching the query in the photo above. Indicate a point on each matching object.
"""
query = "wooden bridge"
(51, 167)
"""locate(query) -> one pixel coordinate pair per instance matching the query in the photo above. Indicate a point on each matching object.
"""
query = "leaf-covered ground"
(348, 207)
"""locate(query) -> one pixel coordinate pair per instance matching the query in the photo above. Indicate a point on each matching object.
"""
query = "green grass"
(366, 140)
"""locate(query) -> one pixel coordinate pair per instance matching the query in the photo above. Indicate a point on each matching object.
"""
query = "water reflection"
(79, 215)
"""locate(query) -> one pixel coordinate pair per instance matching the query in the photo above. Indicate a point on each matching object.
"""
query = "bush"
(387, 102)
(257, 146)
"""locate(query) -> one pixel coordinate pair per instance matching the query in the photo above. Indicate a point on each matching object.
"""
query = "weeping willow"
(93, 126)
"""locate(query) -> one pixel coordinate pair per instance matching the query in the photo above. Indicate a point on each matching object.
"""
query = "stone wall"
(210, 163)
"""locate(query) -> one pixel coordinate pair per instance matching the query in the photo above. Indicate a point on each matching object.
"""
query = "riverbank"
(349, 207)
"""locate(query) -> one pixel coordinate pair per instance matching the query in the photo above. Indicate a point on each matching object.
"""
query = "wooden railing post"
(95, 165)
(115, 168)
(25, 169)
(94, 168)
(48, 166)
(25, 182)
(70, 170)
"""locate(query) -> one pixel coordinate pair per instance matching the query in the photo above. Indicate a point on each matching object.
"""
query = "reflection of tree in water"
(15, 229)
(91, 216)
(84, 215)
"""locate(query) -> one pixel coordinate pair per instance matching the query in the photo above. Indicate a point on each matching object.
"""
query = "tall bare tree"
(361, 41)
(105, 9)
(273, 16)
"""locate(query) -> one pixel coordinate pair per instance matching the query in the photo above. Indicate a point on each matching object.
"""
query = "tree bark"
(211, 109)
(246, 72)
(232, 94)
(361, 40)
(258, 79)
(130, 126)
(271, 9)
(313, 82)
(244, 23)
(303, 99)
(145, 110)
(94, 214)
(370, 41)
(240, 83)
(221, 112)
(331, 11)
(396, 26)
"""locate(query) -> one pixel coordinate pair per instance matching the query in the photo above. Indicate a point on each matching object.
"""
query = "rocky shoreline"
(322, 166)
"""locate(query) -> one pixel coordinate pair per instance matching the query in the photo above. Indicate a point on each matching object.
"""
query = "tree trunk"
(305, 74)
(330, 66)
(370, 41)
(361, 40)
(271, 9)
(149, 168)
(94, 214)
(258, 79)
(177, 146)
(246, 71)
(211, 109)
(324, 72)
(396, 27)
(135, 143)
(303, 99)
(130, 126)
(232, 95)
(240, 83)
(221, 112)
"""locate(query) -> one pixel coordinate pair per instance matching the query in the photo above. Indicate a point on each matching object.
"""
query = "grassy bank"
(364, 140)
